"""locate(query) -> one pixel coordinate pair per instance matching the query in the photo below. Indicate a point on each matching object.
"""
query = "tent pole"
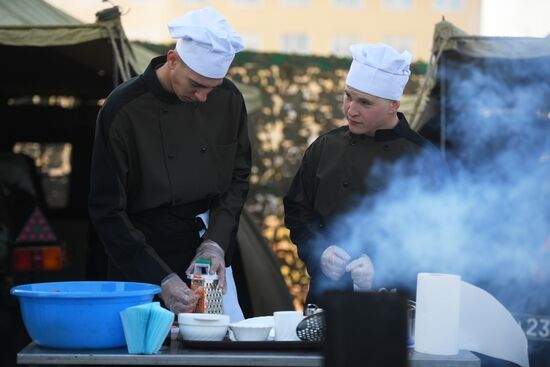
(115, 72)
(443, 105)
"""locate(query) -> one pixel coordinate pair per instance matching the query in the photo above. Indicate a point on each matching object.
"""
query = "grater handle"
(202, 266)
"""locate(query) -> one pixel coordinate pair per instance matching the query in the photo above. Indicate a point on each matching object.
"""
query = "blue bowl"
(79, 315)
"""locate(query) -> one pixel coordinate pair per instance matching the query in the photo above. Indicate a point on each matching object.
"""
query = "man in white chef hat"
(171, 145)
(334, 175)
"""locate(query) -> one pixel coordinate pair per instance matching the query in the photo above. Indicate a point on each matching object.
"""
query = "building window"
(339, 45)
(400, 43)
(295, 43)
(251, 40)
(347, 3)
(195, 2)
(448, 5)
(295, 2)
(398, 4)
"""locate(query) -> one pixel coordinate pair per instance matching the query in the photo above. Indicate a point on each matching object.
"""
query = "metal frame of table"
(177, 354)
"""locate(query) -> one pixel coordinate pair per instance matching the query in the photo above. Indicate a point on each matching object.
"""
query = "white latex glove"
(333, 262)
(362, 272)
(177, 296)
(209, 249)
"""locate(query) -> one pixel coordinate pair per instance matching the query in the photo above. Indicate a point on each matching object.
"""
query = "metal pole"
(443, 104)
(115, 72)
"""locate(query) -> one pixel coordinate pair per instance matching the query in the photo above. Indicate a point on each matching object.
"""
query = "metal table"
(177, 354)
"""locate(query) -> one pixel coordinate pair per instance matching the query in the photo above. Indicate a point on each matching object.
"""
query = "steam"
(490, 221)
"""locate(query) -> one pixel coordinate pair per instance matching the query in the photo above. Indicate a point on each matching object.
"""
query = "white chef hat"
(379, 70)
(206, 42)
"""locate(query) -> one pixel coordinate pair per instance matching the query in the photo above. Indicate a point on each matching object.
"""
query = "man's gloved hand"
(333, 262)
(362, 272)
(177, 296)
(209, 249)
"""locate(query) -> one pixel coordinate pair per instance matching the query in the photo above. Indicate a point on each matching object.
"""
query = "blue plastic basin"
(79, 315)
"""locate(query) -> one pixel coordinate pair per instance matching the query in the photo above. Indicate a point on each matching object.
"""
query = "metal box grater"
(211, 299)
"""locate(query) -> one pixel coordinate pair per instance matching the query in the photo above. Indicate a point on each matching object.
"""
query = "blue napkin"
(145, 327)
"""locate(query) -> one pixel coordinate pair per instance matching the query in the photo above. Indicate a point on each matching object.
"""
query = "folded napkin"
(145, 327)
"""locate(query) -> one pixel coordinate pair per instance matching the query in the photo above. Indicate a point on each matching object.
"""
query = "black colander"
(312, 327)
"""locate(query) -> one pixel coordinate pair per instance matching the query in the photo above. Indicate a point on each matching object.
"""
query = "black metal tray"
(259, 345)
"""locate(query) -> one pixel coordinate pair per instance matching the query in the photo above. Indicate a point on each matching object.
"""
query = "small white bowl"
(203, 326)
(253, 329)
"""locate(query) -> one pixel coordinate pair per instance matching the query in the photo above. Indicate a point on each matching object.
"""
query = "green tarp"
(447, 37)
(60, 44)
(32, 12)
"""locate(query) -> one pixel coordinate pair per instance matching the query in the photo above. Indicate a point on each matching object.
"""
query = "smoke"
(490, 220)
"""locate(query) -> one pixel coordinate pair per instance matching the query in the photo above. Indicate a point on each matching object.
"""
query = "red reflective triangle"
(36, 229)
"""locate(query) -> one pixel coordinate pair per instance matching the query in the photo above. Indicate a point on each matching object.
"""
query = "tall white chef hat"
(206, 42)
(379, 70)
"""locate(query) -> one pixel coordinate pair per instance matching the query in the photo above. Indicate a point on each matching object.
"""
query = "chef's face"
(367, 113)
(188, 85)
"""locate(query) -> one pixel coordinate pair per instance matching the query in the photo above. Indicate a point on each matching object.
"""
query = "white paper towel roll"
(453, 315)
(437, 313)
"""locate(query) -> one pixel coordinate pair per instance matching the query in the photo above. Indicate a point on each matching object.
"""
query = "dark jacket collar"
(402, 129)
(150, 78)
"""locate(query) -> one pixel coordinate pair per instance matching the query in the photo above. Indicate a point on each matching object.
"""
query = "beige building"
(319, 27)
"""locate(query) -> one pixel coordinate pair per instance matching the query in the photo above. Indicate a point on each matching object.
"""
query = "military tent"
(453, 51)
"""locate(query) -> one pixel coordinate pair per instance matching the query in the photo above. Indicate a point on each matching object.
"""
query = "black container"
(366, 329)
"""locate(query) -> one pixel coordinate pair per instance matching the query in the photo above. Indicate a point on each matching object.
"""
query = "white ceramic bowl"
(253, 329)
(203, 326)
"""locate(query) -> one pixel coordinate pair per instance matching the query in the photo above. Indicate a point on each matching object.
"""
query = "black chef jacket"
(157, 162)
(333, 177)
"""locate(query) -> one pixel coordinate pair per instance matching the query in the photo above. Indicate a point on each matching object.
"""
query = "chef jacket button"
(204, 149)
(353, 142)
(164, 110)
(386, 147)
(345, 184)
(171, 156)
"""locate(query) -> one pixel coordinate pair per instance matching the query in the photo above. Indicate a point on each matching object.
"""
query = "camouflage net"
(301, 98)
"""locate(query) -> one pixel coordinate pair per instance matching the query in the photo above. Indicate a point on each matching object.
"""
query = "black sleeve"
(126, 245)
(304, 223)
(226, 210)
